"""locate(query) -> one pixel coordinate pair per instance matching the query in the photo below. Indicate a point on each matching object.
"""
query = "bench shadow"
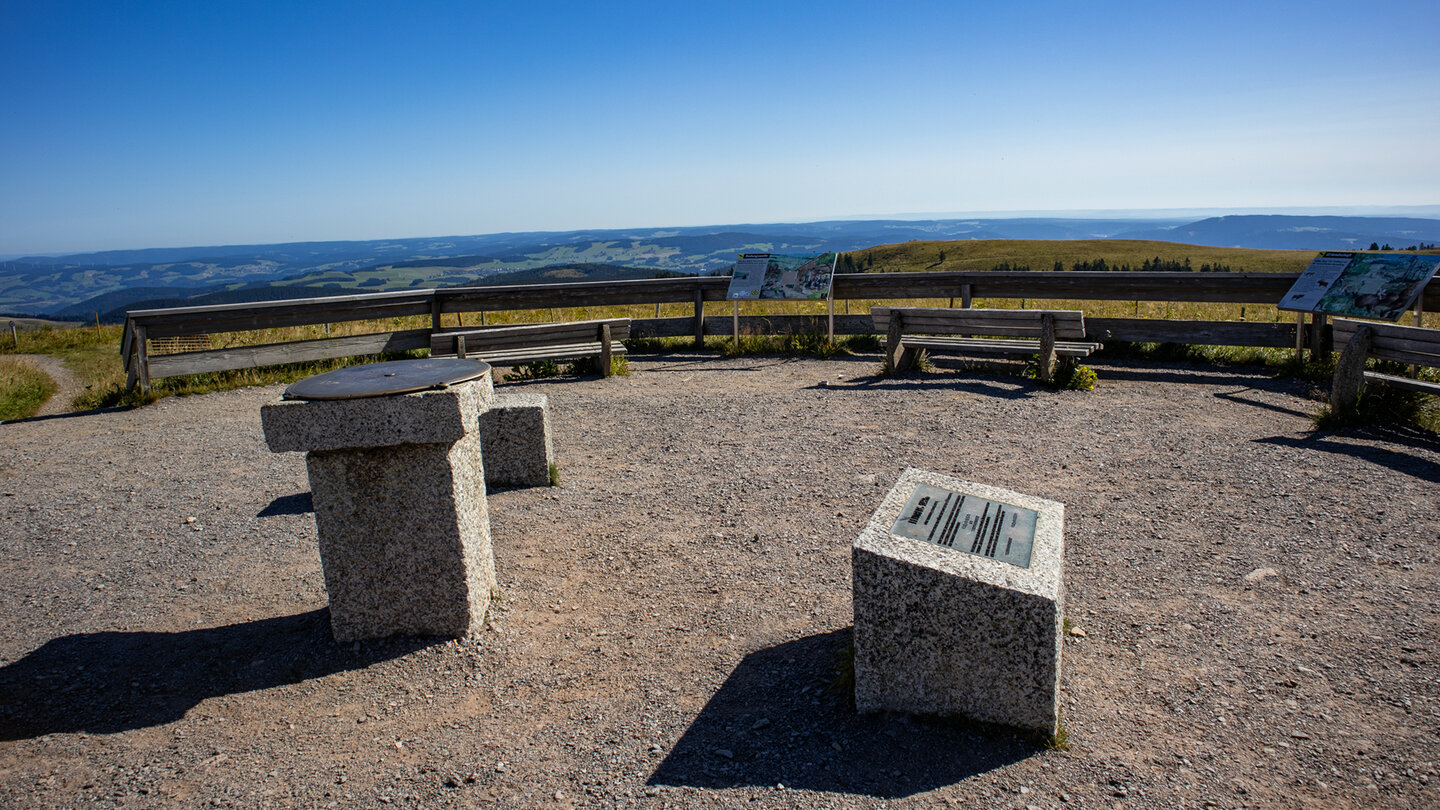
(1397, 460)
(774, 721)
(105, 683)
(1235, 396)
(298, 504)
(981, 384)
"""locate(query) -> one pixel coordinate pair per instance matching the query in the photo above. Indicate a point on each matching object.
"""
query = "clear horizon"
(156, 124)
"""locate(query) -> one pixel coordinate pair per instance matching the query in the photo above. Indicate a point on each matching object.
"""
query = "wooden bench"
(1048, 333)
(515, 345)
(1416, 345)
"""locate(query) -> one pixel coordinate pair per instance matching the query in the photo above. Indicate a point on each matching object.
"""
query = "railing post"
(699, 316)
(141, 367)
(965, 296)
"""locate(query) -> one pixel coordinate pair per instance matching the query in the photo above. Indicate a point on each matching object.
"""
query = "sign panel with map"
(1366, 285)
(771, 275)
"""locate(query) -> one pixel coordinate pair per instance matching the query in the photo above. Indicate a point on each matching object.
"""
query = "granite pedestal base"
(398, 486)
(515, 435)
(942, 629)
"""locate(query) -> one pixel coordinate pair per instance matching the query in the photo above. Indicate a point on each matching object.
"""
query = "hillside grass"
(23, 389)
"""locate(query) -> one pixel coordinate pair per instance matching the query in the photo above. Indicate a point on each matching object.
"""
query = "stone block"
(404, 538)
(424, 417)
(955, 615)
(398, 486)
(515, 435)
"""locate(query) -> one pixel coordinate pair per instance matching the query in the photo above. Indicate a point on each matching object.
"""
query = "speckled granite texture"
(403, 528)
(442, 415)
(515, 435)
(943, 632)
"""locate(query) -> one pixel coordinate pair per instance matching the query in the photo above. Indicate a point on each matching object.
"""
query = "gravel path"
(1258, 605)
(67, 385)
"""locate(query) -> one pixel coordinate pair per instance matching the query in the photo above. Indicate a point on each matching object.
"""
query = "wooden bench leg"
(605, 351)
(893, 347)
(1047, 348)
(1350, 372)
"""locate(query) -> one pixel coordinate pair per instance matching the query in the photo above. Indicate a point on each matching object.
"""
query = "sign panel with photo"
(771, 275)
(1366, 285)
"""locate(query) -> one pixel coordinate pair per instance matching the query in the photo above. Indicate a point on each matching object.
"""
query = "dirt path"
(68, 386)
(1258, 600)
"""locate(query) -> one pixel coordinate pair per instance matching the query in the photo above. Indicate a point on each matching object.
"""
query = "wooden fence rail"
(1231, 288)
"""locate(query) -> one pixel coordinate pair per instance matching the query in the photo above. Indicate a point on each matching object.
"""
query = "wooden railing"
(142, 326)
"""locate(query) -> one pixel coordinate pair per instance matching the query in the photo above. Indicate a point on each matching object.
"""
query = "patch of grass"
(554, 471)
(23, 389)
(590, 366)
(534, 370)
(1383, 405)
(1059, 741)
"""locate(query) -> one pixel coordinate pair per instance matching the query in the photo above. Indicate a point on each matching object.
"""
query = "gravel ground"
(1257, 603)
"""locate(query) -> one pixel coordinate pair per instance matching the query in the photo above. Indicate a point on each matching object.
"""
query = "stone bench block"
(515, 434)
(955, 615)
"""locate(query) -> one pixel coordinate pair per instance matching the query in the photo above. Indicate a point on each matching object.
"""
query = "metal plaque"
(968, 523)
(384, 379)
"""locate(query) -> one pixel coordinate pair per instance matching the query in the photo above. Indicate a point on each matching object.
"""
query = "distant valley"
(80, 285)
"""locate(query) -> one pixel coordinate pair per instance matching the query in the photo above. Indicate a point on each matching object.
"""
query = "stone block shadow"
(104, 683)
(776, 720)
(298, 504)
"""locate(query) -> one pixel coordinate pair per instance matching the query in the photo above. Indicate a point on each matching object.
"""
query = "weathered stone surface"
(404, 538)
(515, 435)
(398, 486)
(939, 631)
(424, 417)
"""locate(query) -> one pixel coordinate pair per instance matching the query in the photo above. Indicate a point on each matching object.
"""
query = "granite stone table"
(959, 601)
(393, 454)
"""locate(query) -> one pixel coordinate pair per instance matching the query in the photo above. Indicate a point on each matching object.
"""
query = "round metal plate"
(384, 379)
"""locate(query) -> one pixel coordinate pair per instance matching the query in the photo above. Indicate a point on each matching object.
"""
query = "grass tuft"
(23, 390)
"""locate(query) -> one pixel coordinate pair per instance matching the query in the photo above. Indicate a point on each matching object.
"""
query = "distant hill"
(160, 298)
(1299, 233)
(81, 284)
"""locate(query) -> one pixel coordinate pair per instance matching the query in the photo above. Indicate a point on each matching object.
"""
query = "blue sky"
(147, 124)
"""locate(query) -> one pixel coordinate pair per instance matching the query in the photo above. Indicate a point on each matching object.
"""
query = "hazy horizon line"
(1418, 211)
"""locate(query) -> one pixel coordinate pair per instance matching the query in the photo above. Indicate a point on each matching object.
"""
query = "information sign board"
(771, 275)
(968, 523)
(1367, 285)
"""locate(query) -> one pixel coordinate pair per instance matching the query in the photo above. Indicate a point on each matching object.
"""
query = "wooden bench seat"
(527, 343)
(1416, 345)
(967, 332)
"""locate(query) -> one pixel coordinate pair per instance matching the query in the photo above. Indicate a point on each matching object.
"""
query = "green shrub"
(1069, 375)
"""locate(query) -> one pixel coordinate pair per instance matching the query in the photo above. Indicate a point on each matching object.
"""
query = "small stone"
(1299, 735)
(1260, 574)
(761, 723)
(189, 520)
(724, 752)
(1078, 632)
(652, 791)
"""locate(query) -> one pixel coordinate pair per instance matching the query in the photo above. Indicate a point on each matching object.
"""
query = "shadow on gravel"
(297, 504)
(1241, 376)
(1236, 396)
(1397, 460)
(104, 683)
(1015, 387)
(774, 721)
